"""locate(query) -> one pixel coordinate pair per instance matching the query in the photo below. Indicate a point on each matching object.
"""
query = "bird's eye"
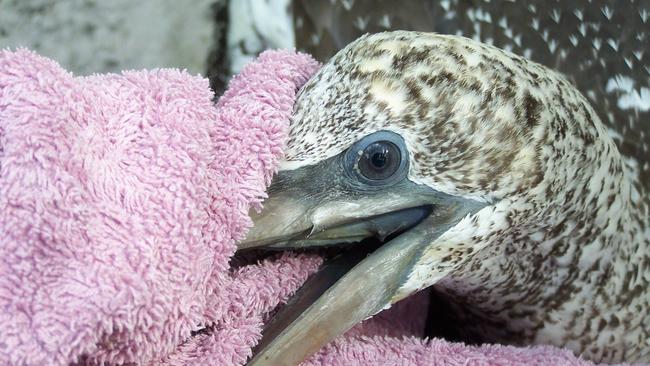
(379, 160)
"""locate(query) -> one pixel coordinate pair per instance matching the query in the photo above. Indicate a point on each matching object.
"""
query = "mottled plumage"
(561, 253)
(602, 46)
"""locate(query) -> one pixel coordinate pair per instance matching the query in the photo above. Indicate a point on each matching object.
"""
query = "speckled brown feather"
(561, 254)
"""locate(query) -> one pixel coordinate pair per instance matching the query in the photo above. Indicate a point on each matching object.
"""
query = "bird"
(484, 175)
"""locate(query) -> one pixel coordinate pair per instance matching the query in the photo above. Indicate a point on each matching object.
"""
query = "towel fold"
(121, 199)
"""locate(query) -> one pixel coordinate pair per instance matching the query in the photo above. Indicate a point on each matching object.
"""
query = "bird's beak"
(310, 207)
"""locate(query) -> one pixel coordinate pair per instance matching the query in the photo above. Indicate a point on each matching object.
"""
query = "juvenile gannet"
(492, 179)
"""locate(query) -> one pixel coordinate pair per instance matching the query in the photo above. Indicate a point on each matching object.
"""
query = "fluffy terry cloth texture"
(121, 198)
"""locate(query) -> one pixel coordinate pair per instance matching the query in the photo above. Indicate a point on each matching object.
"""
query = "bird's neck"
(578, 276)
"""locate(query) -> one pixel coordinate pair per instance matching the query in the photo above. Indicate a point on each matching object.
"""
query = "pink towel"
(121, 198)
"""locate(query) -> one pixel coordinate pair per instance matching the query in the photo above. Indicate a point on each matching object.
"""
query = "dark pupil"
(379, 159)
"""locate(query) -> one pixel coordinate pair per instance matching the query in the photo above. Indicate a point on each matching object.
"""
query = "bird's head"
(430, 143)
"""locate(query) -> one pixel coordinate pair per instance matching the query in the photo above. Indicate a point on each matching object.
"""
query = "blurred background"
(602, 46)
